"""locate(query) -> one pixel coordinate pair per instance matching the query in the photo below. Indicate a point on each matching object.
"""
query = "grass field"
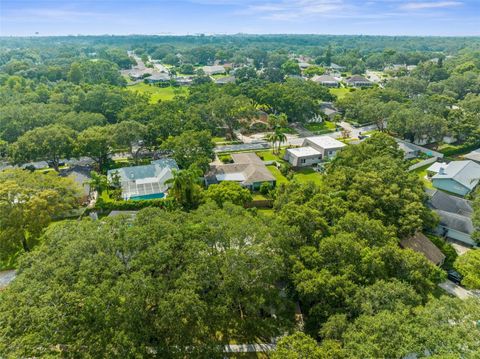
(339, 92)
(277, 174)
(158, 93)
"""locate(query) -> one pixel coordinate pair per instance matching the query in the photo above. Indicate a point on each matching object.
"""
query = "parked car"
(454, 276)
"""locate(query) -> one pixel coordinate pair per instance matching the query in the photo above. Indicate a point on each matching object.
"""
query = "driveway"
(455, 290)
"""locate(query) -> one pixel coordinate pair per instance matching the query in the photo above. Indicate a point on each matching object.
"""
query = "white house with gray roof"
(144, 182)
(458, 177)
(326, 80)
(314, 150)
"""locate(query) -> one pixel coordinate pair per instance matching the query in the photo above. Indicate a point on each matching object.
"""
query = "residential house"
(214, 70)
(326, 80)
(410, 151)
(329, 111)
(314, 150)
(458, 177)
(435, 168)
(336, 67)
(158, 77)
(358, 81)
(145, 182)
(247, 169)
(474, 155)
(225, 80)
(455, 216)
(303, 65)
(421, 244)
(184, 80)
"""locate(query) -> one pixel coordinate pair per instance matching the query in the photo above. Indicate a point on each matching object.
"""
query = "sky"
(122, 17)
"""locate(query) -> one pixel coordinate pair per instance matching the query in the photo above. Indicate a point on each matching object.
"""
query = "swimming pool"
(148, 196)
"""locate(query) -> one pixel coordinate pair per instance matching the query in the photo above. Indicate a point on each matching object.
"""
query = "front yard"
(320, 128)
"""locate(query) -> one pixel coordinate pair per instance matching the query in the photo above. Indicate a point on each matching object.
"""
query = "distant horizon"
(199, 34)
(444, 18)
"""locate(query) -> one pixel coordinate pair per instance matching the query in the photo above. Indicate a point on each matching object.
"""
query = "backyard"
(158, 93)
(340, 92)
(320, 128)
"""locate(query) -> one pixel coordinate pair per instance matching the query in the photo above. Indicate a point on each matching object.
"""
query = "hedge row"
(459, 150)
(167, 203)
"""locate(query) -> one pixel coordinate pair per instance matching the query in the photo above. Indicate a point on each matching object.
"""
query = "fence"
(423, 163)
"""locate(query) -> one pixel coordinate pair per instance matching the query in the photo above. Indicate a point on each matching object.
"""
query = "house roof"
(357, 78)
(474, 155)
(406, 147)
(247, 169)
(325, 142)
(435, 167)
(225, 80)
(467, 173)
(214, 69)
(159, 77)
(455, 221)
(303, 151)
(324, 78)
(442, 201)
(145, 180)
(421, 244)
(335, 66)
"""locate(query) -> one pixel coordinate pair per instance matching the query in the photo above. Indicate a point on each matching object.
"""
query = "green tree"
(185, 188)
(229, 110)
(191, 148)
(52, 143)
(29, 202)
(468, 265)
(172, 284)
(129, 134)
(228, 192)
(290, 67)
(96, 142)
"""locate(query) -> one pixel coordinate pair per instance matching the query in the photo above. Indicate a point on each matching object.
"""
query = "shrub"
(165, 203)
(265, 188)
(447, 249)
(226, 158)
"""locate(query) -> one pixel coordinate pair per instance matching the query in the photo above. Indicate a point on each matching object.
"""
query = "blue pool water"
(148, 196)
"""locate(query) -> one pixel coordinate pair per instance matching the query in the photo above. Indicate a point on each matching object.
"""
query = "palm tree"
(184, 187)
(281, 138)
(272, 138)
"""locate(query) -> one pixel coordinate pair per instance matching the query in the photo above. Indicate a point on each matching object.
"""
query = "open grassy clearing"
(158, 93)
(340, 92)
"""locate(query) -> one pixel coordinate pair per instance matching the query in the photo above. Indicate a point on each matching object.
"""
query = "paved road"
(455, 290)
(249, 348)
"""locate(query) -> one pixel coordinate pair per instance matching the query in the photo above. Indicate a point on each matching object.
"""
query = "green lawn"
(340, 92)
(277, 174)
(158, 93)
(308, 175)
(321, 127)
(421, 173)
(269, 156)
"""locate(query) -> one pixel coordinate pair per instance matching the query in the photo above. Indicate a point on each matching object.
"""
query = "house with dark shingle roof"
(326, 80)
(421, 244)
(358, 81)
(455, 216)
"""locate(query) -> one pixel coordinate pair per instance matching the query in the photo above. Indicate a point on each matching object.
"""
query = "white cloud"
(294, 9)
(430, 5)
